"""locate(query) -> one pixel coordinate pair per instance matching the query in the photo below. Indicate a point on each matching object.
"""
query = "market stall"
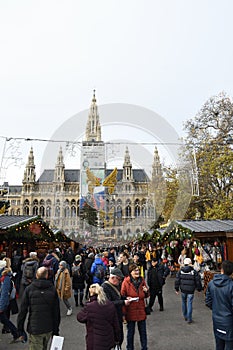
(24, 232)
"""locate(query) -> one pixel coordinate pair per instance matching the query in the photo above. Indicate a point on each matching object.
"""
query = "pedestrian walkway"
(166, 330)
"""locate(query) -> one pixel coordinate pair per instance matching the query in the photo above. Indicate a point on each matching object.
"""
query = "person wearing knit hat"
(31, 254)
(63, 285)
(187, 261)
(187, 280)
(78, 258)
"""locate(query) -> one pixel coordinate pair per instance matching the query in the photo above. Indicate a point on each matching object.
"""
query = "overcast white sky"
(168, 56)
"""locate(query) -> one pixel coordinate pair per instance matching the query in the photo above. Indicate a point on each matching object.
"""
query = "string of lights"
(80, 142)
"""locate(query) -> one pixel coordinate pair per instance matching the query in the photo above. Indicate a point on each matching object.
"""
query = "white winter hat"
(2, 264)
(31, 254)
(187, 261)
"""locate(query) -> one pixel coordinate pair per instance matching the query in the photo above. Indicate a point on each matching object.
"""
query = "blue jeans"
(222, 344)
(8, 324)
(142, 334)
(187, 305)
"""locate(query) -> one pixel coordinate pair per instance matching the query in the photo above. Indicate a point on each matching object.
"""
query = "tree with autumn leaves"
(209, 135)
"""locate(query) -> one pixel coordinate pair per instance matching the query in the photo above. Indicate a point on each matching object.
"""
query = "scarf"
(61, 280)
(136, 282)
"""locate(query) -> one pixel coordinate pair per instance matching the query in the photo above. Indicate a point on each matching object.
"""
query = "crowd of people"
(112, 286)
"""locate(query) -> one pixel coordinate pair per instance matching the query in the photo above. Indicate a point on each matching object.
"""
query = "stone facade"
(55, 195)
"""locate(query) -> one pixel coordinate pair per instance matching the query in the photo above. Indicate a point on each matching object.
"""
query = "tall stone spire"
(156, 167)
(29, 172)
(127, 167)
(93, 128)
(59, 173)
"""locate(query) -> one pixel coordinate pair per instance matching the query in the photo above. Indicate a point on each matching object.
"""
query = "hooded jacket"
(187, 279)
(219, 298)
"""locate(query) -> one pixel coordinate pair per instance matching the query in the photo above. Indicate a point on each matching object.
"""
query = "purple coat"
(101, 324)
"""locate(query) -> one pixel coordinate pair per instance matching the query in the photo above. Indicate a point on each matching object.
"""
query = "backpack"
(76, 270)
(29, 271)
(99, 271)
(48, 263)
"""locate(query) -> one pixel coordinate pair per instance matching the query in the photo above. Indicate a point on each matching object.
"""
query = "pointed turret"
(59, 173)
(93, 129)
(156, 167)
(127, 167)
(29, 172)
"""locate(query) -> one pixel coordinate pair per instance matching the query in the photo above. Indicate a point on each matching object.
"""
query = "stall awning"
(207, 225)
(7, 221)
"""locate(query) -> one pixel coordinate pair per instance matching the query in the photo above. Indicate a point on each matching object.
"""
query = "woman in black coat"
(78, 282)
(100, 317)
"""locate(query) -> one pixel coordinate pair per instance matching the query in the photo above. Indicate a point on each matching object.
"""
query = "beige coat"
(63, 284)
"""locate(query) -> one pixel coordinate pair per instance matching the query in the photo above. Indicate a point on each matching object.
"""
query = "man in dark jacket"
(112, 291)
(88, 263)
(41, 300)
(156, 277)
(187, 280)
(219, 298)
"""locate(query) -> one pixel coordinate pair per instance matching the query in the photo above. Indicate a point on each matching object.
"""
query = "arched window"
(26, 210)
(144, 209)
(48, 202)
(119, 232)
(73, 211)
(57, 211)
(35, 211)
(128, 208)
(137, 208)
(48, 212)
(67, 211)
(42, 210)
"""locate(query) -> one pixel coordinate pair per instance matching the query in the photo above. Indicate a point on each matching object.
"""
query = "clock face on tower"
(85, 164)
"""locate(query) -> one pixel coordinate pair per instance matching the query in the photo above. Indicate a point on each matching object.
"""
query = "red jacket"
(136, 309)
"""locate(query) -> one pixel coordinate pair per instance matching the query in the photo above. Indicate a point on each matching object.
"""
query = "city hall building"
(126, 200)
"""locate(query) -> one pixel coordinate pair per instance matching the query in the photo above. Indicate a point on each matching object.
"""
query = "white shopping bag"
(57, 343)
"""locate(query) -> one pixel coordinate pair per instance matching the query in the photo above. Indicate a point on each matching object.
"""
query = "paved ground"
(166, 330)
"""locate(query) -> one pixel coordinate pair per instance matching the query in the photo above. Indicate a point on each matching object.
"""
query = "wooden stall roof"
(6, 221)
(208, 226)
